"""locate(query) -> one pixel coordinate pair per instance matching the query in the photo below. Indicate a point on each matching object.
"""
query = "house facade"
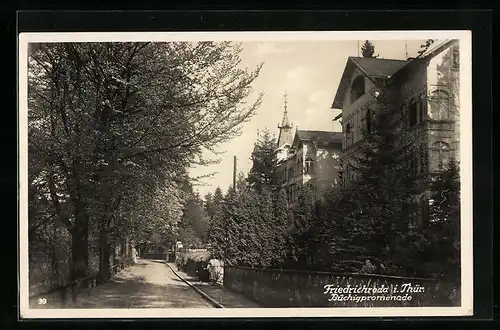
(307, 157)
(426, 92)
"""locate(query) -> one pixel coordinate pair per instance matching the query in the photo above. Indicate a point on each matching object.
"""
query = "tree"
(268, 229)
(302, 222)
(193, 225)
(263, 173)
(335, 247)
(111, 121)
(443, 232)
(227, 231)
(368, 50)
(280, 225)
(215, 230)
(370, 215)
(207, 204)
(250, 235)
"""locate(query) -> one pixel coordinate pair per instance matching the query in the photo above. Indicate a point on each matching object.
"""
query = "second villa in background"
(307, 157)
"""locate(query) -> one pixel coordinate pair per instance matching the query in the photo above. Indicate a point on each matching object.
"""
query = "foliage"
(249, 228)
(193, 225)
(302, 222)
(280, 227)
(443, 232)
(368, 49)
(425, 47)
(263, 173)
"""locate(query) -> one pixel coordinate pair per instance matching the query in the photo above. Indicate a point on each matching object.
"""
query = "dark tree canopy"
(113, 128)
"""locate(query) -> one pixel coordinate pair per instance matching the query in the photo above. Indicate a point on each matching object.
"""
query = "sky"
(309, 73)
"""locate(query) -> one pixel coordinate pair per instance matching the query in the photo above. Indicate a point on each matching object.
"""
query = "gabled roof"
(371, 67)
(321, 138)
(377, 67)
(383, 68)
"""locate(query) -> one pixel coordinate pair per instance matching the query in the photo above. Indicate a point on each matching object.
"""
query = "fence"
(293, 288)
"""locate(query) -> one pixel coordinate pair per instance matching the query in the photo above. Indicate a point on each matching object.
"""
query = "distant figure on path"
(214, 269)
(134, 255)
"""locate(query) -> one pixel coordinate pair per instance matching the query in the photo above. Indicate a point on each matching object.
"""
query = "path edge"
(203, 294)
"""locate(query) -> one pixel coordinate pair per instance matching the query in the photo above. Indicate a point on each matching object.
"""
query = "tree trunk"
(127, 251)
(79, 246)
(59, 262)
(123, 253)
(104, 256)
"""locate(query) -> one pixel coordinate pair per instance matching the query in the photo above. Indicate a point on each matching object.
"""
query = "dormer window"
(357, 88)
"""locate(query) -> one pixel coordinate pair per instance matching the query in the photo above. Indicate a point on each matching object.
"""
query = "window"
(294, 193)
(412, 209)
(412, 220)
(357, 88)
(348, 133)
(413, 113)
(416, 162)
(348, 173)
(423, 158)
(368, 121)
(440, 153)
(424, 211)
(308, 165)
(422, 108)
(413, 166)
(440, 105)
(455, 58)
(404, 115)
(299, 165)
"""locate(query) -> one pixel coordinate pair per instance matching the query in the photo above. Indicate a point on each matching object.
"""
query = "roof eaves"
(337, 100)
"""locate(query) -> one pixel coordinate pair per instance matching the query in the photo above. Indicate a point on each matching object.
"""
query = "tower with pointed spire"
(285, 137)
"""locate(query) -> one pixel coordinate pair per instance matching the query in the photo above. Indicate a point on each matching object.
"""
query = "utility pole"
(234, 173)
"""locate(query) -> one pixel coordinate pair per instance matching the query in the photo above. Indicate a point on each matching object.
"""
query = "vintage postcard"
(245, 174)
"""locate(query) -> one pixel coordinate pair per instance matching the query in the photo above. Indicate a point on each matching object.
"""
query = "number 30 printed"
(42, 301)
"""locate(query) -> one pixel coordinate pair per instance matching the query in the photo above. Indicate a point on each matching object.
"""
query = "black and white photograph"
(245, 174)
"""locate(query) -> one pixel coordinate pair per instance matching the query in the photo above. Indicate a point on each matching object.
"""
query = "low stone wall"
(291, 288)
